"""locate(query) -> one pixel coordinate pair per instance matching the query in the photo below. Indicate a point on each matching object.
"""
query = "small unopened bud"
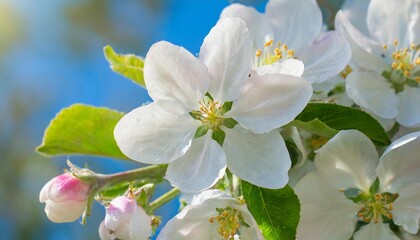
(65, 197)
(125, 220)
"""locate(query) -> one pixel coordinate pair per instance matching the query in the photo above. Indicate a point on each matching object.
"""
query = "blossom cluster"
(239, 113)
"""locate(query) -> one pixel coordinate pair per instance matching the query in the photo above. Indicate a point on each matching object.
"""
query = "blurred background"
(50, 58)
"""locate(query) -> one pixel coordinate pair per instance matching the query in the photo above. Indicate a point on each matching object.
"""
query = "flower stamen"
(272, 53)
(209, 113)
(229, 220)
(377, 207)
(405, 66)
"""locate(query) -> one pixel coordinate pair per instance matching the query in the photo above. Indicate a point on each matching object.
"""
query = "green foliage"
(276, 211)
(83, 130)
(128, 65)
(315, 126)
(341, 118)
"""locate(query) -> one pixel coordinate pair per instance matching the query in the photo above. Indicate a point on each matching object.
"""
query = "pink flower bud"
(125, 220)
(65, 197)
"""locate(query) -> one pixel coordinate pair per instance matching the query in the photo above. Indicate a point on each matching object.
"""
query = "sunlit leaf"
(128, 65)
(276, 211)
(82, 130)
(342, 118)
(314, 126)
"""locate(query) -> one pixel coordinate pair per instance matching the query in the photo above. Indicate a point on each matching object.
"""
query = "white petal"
(365, 51)
(227, 53)
(191, 223)
(261, 159)
(270, 101)
(356, 13)
(296, 23)
(119, 212)
(140, 225)
(325, 213)
(408, 109)
(290, 66)
(371, 91)
(407, 236)
(247, 233)
(375, 231)
(413, 33)
(299, 144)
(296, 174)
(151, 134)
(104, 233)
(60, 212)
(172, 73)
(201, 166)
(406, 212)
(257, 23)
(389, 22)
(326, 57)
(44, 193)
(399, 166)
(209, 194)
(348, 160)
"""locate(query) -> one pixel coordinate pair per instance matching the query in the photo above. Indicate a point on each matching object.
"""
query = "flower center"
(230, 220)
(210, 113)
(380, 205)
(272, 53)
(405, 66)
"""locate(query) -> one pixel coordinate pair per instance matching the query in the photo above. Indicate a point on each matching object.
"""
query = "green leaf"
(315, 126)
(342, 118)
(277, 212)
(128, 65)
(82, 130)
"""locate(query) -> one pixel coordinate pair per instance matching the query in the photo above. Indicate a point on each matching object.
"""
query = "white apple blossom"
(212, 214)
(351, 183)
(125, 220)
(210, 113)
(65, 197)
(385, 41)
(293, 29)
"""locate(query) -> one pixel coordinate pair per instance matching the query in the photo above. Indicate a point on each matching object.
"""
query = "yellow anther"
(413, 46)
(290, 53)
(394, 65)
(229, 220)
(417, 61)
(389, 215)
(272, 53)
(277, 51)
(385, 47)
(268, 43)
(395, 42)
(417, 79)
(407, 73)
